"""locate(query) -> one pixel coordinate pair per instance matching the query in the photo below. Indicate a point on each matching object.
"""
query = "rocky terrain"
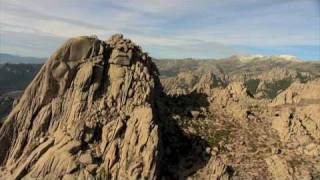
(256, 138)
(106, 110)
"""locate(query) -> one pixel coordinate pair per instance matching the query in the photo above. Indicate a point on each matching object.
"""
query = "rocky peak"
(209, 81)
(88, 114)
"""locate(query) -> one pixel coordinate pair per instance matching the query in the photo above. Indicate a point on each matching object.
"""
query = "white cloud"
(178, 24)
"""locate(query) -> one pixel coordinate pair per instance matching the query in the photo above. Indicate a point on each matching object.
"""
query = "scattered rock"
(195, 114)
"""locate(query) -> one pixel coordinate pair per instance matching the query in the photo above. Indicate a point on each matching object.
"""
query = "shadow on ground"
(182, 154)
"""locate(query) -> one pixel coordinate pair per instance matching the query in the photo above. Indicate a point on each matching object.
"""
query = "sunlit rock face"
(88, 114)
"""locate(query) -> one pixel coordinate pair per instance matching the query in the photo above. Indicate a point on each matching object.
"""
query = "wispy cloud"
(207, 28)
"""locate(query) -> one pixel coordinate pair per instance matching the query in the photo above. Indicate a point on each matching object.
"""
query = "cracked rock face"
(88, 114)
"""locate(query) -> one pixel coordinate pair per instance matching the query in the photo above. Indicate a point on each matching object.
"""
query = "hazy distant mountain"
(15, 77)
(14, 59)
(236, 65)
(258, 57)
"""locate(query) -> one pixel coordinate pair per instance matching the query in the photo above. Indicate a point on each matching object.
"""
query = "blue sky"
(166, 28)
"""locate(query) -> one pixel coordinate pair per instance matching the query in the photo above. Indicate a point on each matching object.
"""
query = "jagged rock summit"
(88, 114)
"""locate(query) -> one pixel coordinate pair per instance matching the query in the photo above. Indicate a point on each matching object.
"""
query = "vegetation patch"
(252, 85)
(302, 78)
(274, 88)
(218, 136)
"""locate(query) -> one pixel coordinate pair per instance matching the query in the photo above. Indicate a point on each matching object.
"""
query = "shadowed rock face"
(89, 113)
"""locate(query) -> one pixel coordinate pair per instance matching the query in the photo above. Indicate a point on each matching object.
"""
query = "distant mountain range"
(258, 57)
(15, 59)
